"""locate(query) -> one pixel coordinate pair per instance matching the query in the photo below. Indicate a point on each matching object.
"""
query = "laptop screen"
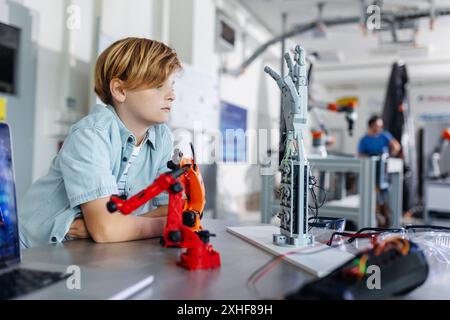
(9, 235)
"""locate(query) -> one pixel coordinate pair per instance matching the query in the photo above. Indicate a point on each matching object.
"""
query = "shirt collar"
(128, 137)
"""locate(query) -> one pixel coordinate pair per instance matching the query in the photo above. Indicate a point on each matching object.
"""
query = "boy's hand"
(78, 230)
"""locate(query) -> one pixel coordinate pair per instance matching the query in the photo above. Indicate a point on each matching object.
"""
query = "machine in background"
(321, 138)
(436, 169)
(344, 105)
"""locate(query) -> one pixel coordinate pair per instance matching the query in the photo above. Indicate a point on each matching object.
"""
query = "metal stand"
(362, 210)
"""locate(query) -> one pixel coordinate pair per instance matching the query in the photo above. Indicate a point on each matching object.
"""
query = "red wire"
(353, 235)
(272, 265)
(276, 261)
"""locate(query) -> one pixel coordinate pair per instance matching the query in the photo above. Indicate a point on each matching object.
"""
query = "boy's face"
(151, 106)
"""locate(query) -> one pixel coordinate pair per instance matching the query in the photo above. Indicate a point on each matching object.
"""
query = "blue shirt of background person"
(375, 144)
(377, 141)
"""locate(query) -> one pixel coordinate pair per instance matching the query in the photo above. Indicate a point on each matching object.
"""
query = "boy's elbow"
(100, 224)
(100, 238)
(102, 234)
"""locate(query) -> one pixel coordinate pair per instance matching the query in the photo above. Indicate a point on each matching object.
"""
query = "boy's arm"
(105, 227)
(156, 213)
(78, 229)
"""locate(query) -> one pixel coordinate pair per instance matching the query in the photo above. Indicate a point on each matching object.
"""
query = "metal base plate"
(288, 241)
(319, 264)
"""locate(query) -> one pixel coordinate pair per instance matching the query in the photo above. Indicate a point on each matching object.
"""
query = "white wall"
(122, 19)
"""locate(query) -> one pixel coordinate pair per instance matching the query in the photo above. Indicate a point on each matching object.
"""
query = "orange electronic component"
(332, 107)
(352, 104)
(446, 134)
(317, 134)
(194, 189)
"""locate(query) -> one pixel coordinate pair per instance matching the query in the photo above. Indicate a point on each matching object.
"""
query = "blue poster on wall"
(233, 126)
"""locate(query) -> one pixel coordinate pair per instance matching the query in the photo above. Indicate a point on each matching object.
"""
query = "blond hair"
(140, 63)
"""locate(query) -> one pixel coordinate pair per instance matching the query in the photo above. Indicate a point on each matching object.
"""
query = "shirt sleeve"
(86, 166)
(167, 147)
(362, 146)
(388, 136)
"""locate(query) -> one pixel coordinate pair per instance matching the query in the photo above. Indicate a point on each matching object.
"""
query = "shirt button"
(130, 139)
(54, 239)
(124, 159)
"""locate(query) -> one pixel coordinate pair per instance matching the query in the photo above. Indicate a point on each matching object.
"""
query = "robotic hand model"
(294, 165)
(200, 253)
(444, 141)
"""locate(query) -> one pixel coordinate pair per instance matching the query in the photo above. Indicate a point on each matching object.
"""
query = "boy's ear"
(117, 91)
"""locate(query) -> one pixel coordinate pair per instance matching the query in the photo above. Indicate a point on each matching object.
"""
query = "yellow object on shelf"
(3, 103)
(345, 101)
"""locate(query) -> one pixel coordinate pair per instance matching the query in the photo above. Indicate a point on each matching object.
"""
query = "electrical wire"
(358, 271)
(317, 206)
(268, 266)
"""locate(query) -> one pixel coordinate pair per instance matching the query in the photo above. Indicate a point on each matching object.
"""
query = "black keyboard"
(22, 281)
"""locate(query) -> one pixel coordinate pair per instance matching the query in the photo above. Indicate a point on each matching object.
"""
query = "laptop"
(40, 280)
(14, 280)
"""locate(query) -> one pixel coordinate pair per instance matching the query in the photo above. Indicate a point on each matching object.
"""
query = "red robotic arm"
(200, 253)
(166, 181)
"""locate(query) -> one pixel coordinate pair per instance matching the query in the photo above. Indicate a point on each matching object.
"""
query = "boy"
(119, 148)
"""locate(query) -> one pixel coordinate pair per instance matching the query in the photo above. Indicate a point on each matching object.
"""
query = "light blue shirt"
(88, 166)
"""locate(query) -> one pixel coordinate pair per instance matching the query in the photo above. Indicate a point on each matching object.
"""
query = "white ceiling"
(269, 12)
(347, 42)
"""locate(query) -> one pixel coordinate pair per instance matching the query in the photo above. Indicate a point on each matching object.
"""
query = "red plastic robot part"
(199, 253)
(165, 182)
